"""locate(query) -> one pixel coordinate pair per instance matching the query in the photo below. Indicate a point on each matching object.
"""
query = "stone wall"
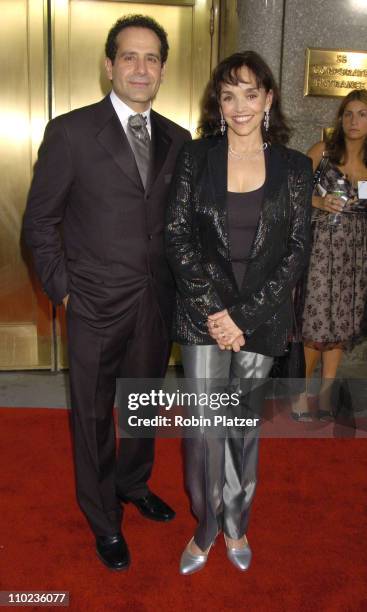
(281, 30)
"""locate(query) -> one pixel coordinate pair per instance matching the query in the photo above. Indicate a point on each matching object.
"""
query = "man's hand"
(65, 301)
(223, 329)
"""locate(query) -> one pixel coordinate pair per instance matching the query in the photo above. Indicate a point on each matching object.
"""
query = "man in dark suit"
(103, 175)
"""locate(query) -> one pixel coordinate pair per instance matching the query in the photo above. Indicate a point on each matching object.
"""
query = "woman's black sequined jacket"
(198, 249)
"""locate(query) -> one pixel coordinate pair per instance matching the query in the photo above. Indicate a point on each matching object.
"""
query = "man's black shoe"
(152, 507)
(113, 551)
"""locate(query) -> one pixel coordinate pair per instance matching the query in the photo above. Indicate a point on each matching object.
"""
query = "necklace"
(248, 155)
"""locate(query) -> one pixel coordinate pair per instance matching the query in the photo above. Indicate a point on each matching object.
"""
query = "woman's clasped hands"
(225, 332)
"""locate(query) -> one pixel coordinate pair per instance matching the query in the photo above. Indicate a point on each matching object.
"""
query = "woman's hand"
(225, 332)
(330, 203)
(237, 343)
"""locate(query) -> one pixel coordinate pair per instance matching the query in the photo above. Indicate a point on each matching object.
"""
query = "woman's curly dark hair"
(335, 144)
(227, 72)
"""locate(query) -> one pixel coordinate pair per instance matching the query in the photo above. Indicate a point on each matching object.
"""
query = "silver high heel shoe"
(240, 557)
(192, 563)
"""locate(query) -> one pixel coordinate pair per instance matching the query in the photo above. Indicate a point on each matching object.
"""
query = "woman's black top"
(243, 217)
(198, 246)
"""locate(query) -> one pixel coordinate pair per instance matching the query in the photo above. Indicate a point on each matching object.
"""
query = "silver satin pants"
(221, 472)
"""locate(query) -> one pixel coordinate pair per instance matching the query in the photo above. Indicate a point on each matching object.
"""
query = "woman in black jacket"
(237, 239)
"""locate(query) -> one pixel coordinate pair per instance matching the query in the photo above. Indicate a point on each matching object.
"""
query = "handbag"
(292, 364)
(358, 206)
(320, 170)
(289, 370)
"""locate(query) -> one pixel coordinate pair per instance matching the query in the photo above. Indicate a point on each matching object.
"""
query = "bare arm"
(328, 203)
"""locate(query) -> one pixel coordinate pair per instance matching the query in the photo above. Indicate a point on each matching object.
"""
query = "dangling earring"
(266, 119)
(223, 124)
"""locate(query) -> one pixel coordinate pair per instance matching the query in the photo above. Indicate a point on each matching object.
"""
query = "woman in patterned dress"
(336, 288)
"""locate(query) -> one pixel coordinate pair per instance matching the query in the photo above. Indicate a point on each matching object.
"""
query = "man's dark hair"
(135, 21)
(228, 72)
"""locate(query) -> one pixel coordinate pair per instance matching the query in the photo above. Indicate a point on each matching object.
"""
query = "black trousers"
(137, 346)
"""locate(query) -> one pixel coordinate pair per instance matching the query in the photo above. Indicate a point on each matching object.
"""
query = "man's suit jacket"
(86, 184)
(199, 251)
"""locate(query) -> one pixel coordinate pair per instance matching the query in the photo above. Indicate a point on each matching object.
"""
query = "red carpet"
(308, 529)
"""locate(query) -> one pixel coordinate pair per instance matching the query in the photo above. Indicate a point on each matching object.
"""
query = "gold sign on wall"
(334, 72)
